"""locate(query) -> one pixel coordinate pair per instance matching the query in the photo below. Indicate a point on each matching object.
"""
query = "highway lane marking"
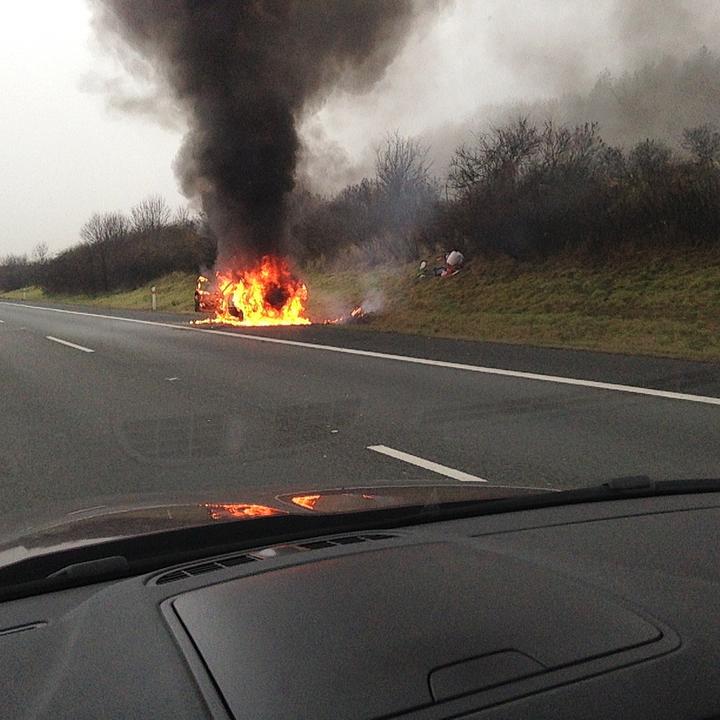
(69, 344)
(521, 375)
(2, 322)
(426, 464)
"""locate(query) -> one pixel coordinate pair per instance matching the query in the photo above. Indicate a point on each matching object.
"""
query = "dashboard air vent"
(267, 553)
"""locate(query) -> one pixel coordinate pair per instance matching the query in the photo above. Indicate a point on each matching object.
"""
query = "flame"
(356, 314)
(229, 511)
(306, 501)
(267, 294)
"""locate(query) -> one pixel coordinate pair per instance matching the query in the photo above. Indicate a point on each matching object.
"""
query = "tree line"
(117, 251)
(522, 189)
(526, 191)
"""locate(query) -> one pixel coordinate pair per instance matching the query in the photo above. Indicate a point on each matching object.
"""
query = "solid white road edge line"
(614, 387)
(425, 464)
(69, 344)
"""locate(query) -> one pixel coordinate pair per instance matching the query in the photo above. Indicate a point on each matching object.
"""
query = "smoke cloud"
(269, 91)
(646, 73)
(244, 73)
(481, 63)
(648, 30)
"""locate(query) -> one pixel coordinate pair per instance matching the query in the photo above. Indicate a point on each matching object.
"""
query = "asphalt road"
(157, 409)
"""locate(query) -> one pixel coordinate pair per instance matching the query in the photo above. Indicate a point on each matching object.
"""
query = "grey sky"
(65, 152)
(62, 154)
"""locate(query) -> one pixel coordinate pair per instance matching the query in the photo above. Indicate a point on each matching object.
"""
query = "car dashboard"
(596, 610)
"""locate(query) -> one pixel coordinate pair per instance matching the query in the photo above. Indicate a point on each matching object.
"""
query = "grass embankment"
(174, 294)
(658, 303)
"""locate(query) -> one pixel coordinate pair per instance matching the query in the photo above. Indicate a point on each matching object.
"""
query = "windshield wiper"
(644, 486)
(113, 565)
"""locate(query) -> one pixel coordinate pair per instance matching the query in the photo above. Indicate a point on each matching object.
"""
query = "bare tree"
(503, 154)
(183, 216)
(15, 272)
(555, 143)
(104, 227)
(401, 165)
(649, 159)
(703, 143)
(40, 252)
(98, 233)
(404, 191)
(576, 152)
(150, 215)
(466, 168)
(611, 164)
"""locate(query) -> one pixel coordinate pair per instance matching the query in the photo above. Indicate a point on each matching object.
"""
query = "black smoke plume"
(243, 72)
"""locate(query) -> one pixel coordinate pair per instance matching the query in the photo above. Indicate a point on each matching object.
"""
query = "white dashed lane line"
(500, 372)
(426, 464)
(69, 344)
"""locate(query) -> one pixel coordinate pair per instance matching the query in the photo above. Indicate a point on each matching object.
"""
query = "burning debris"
(372, 304)
(356, 315)
(267, 294)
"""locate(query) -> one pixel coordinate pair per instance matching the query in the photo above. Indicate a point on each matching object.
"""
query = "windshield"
(263, 259)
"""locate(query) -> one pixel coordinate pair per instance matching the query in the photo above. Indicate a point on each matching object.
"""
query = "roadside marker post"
(153, 290)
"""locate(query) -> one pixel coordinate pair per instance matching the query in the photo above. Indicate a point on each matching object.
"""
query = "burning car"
(209, 298)
(266, 294)
(205, 300)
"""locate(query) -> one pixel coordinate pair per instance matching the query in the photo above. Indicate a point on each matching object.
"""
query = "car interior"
(595, 609)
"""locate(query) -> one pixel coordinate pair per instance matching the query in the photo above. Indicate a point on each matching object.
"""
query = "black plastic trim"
(222, 563)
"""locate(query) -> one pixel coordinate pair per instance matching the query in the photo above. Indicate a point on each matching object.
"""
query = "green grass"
(656, 302)
(29, 293)
(174, 294)
(641, 302)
